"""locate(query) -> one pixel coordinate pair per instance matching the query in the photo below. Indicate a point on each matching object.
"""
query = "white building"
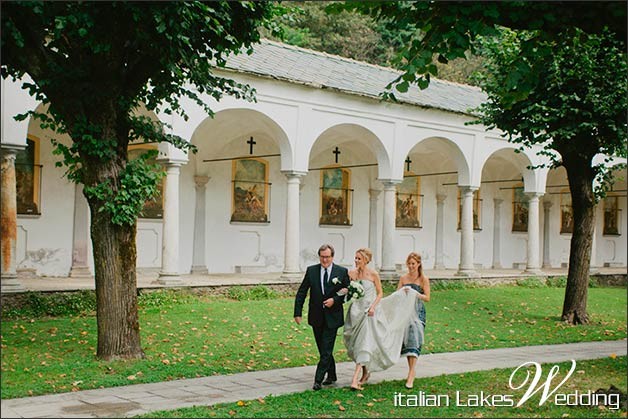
(318, 158)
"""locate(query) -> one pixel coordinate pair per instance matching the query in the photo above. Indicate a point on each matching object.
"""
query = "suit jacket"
(318, 315)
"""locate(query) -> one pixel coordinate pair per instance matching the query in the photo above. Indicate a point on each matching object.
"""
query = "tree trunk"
(116, 288)
(581, 176)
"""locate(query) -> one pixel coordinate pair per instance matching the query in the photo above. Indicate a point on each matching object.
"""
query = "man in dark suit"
(325, 311)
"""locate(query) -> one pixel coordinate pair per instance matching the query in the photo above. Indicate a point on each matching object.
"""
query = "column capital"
(497, 201)
(547, 204)
(467, 188)
(374, 193)
(534, 195)
(11, 149)
(293, 174)
(390, 183)
(201, 181)
(440, 198)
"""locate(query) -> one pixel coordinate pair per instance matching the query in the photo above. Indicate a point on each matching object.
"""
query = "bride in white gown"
(375, 327)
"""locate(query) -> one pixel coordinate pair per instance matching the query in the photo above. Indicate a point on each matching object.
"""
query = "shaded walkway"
(143, 398)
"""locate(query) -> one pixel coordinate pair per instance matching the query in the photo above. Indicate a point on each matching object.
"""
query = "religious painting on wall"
(250, 191)
(408, 202)
(335, 196)
(566, 212)
(477, 205)
(153, 207)
(519, 210)
(27, 178)
(611, 216)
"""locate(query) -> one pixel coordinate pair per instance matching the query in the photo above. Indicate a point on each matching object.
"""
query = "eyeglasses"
(325, 257)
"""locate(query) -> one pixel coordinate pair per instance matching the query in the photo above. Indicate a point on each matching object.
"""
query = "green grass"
(185, 335)
(378, 400)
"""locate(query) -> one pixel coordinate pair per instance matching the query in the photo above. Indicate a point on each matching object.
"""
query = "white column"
(388, 270)
(594, 267)
(440, 214)
(497, 221)
(80, 238)
(373, 242)
(292, 242)
(547, 205)
(534, 264)
(8, 210)
(466, 267)
(169, 274)
(199, 266)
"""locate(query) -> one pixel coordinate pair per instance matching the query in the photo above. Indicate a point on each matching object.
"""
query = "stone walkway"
(138, 399)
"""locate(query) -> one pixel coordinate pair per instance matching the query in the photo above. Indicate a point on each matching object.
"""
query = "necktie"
(325, 278)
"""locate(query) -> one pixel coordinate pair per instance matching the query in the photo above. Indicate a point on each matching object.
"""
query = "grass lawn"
(185, 335)
(391, 399)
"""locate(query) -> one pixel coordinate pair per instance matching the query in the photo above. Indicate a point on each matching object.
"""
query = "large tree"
(95, 64)
(560, 84)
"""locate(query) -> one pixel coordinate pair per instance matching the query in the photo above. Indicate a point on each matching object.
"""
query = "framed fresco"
(336, 196)
(250, 191)
(519, 210)
(477, 205)
(28, 178)
(409, 202)
(611, 216)
(153, 207)
(566, 213)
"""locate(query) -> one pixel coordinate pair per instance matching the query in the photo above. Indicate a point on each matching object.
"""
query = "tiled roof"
(321, 70)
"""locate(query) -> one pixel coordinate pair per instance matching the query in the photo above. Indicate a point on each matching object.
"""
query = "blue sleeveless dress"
(415, 336)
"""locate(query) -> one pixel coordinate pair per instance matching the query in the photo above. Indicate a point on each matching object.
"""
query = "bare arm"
(378, 289)
(426, 290)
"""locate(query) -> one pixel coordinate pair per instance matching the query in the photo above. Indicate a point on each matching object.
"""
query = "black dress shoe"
(317, 386)
(328, 382)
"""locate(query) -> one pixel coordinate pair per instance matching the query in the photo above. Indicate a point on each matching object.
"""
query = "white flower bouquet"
(355, 291)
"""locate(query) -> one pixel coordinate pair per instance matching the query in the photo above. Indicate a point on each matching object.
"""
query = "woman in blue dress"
(414, 337)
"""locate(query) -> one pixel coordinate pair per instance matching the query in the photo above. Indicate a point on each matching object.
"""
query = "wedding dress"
(375, 341)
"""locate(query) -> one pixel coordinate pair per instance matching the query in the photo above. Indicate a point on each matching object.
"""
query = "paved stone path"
(138, 399)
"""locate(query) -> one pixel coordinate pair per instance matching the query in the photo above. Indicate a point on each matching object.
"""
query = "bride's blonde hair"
(417, 258)
(366, 254)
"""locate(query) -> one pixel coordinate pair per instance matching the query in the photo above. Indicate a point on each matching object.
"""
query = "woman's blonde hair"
(417, 258)
(366, 253)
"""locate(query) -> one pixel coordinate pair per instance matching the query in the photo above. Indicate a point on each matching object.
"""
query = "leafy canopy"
(97, 64)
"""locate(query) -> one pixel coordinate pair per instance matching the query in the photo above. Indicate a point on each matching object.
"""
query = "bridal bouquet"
(356, 290)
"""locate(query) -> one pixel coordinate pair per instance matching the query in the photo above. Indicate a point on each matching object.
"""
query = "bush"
(163, 297)
(258, 292)
(452, 285)
(557, 282)
(532, 282)
(39, 304)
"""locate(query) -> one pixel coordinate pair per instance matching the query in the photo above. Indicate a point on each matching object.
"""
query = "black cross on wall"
(251, 142)
(408, 161)
(336, 152)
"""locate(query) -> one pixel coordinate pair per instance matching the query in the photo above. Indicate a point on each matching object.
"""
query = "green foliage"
(557, 281)
(138, 182)
(163, 298)
(452, 285)
(532, 282)
(576, 99)
(95, 79)
(258, 292)
(444, 31)
(38, 304)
